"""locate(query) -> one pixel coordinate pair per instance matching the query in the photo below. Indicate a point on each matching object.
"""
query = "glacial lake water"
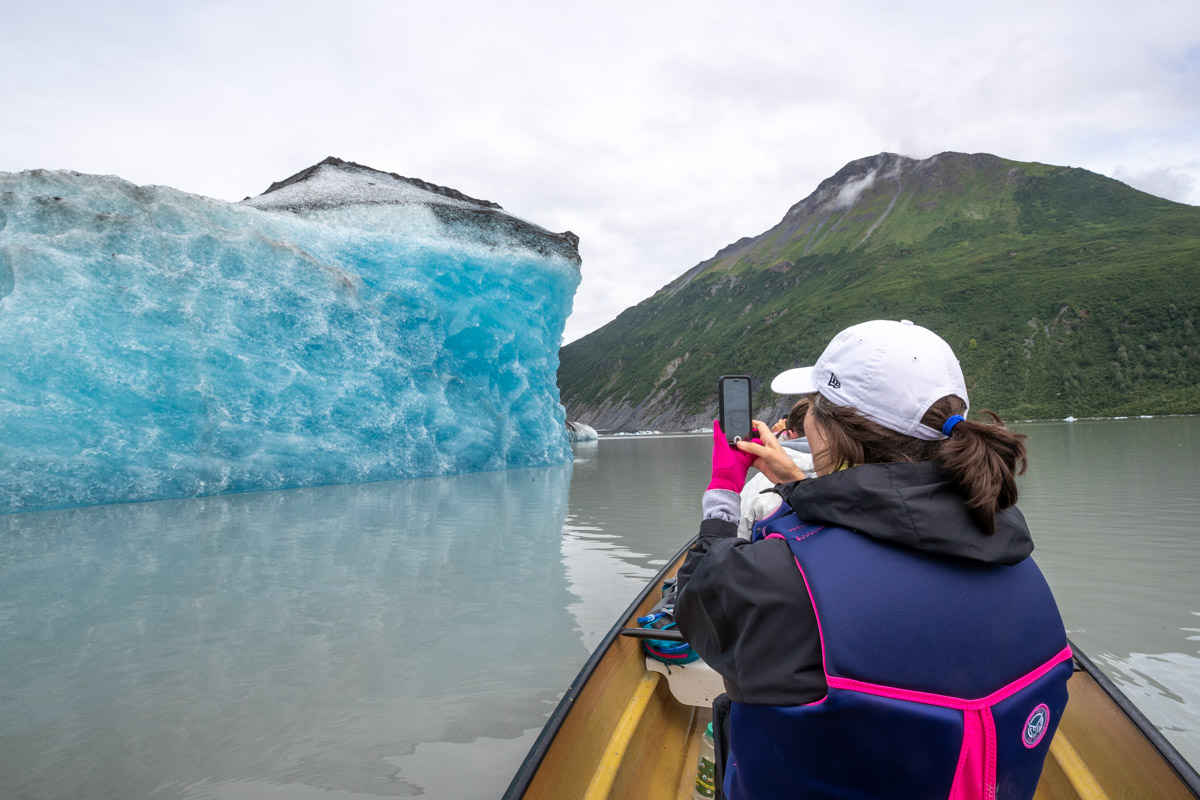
(410, 638)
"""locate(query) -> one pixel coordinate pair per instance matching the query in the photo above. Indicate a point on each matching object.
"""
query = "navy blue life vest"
(947, 678)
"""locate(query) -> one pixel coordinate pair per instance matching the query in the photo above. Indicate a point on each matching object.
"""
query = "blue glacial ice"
(347, 325)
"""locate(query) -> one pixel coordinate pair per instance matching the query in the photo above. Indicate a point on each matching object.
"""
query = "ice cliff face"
(347, 325)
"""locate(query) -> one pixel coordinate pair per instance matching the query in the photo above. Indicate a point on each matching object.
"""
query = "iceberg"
(581, 432)
(347, 325)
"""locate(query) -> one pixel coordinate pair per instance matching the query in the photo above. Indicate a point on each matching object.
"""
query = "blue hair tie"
(949, 424)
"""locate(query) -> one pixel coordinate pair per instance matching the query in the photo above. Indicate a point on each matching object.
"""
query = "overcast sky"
(657, 130)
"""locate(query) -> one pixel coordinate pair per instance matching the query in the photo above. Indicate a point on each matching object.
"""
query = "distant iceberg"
(347, 325)
(581, 432)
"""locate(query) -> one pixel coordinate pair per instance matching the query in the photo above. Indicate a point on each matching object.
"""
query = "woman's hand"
(769, 457)
(729, 465)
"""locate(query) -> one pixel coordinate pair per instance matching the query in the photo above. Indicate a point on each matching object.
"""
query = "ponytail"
(983, 458)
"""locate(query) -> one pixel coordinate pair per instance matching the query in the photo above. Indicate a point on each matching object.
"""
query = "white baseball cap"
(891, 372)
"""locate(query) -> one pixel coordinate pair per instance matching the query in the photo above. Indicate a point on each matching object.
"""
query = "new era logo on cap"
(834, 382)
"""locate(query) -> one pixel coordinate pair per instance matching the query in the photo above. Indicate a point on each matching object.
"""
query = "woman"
(885, 633)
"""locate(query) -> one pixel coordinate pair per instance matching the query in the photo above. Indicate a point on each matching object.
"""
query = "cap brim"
(794, 381)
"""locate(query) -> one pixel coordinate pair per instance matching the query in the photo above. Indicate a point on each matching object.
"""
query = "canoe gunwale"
(1186, 772)
(529, 767)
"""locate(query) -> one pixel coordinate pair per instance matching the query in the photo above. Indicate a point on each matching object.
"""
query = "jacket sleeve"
(744, 608)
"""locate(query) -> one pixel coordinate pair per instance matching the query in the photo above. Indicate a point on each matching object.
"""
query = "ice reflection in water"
(202, 648)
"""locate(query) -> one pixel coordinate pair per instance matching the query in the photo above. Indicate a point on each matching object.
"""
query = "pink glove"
(729, 464)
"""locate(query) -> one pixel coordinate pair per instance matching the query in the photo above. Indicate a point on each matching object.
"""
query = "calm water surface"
(410, 638)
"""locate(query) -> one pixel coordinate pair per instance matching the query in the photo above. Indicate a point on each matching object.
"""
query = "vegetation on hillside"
(1063, 293)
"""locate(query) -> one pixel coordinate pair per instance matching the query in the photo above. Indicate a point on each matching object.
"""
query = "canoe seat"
(694, 684)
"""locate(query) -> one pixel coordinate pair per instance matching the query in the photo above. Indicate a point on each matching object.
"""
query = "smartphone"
(733, 392)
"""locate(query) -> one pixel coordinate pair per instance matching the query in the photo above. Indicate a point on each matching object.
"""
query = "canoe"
(630, 728)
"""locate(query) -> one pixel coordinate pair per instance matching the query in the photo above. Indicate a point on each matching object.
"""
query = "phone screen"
(735, 416)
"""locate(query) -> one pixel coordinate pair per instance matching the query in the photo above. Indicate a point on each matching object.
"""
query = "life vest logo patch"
(1036, 725)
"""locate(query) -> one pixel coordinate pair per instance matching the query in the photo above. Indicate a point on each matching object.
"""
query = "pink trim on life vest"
(975, 776)
(816, 614)
(820, 630)
(946, 700)
(968, 776)
(989, 764)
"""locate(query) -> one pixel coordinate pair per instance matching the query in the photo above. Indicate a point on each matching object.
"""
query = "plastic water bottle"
(706, 768)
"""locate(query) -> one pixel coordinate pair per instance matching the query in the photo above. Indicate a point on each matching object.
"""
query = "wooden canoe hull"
(620, 733)
(1102, 749)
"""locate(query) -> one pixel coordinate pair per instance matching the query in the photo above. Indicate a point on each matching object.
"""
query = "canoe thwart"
(651, 633)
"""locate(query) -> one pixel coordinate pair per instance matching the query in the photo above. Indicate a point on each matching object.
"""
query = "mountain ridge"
(984, 250)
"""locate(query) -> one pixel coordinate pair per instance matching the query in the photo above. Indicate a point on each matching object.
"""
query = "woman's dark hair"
(983, 458)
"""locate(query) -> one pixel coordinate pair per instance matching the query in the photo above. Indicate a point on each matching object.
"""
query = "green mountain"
(1062, 291)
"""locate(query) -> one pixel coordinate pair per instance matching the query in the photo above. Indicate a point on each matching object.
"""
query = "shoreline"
(700, 431)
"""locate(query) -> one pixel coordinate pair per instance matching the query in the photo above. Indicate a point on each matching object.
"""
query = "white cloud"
(852, 189)
(657, 132)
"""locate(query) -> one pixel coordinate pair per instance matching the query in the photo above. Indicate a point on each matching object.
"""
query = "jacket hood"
(914, 505)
